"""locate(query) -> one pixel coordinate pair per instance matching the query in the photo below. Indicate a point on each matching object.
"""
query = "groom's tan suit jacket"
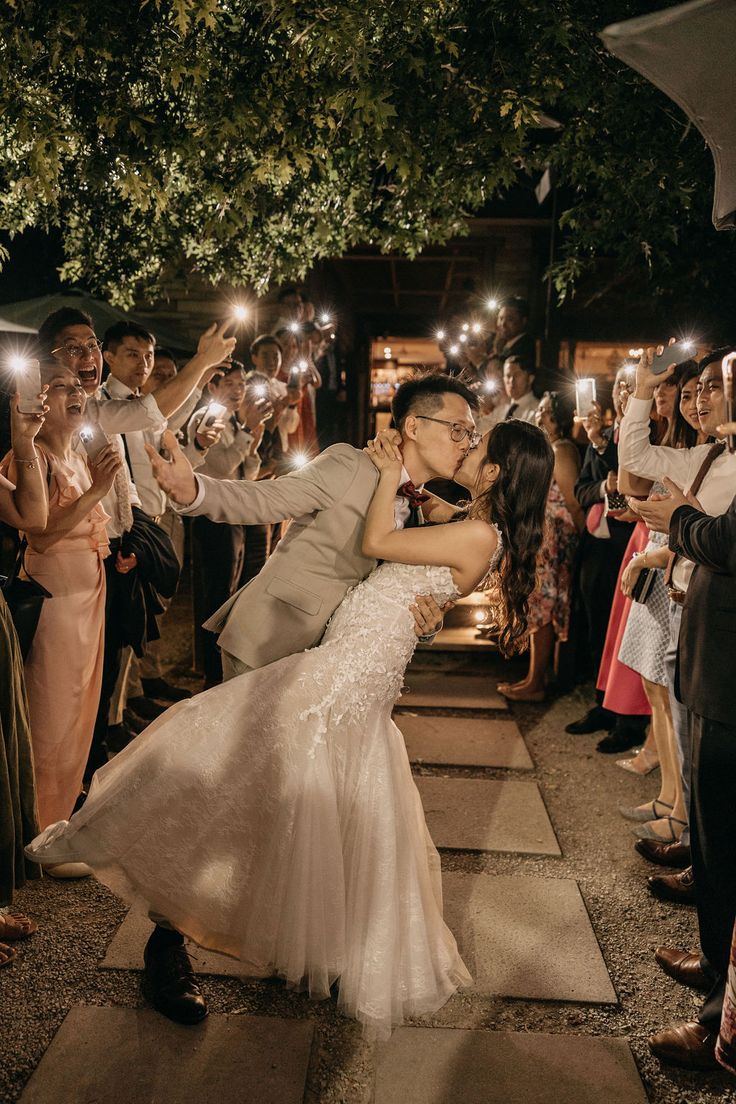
(286, 608)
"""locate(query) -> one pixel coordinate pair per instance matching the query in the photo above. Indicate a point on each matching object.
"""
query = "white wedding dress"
(274, 818)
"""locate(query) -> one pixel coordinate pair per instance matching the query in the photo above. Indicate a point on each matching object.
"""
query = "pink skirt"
(623, 688)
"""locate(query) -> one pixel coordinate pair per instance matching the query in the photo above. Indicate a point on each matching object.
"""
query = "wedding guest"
(518, 382)
(513, 338)
(285, 396)
(218, 549)
(603, 543)
(683, 432)
(549, 602)
(643, 647)
(706, 665)
(23, 505)
(257, 538)
(64, 665)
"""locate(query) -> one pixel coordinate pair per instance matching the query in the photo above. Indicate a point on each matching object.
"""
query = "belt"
(676, 595)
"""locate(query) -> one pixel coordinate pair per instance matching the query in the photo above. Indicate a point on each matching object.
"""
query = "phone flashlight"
(240, 313)
(492, 304)
(584, 396)
(440, 335)
(28, 382)
(212, 414)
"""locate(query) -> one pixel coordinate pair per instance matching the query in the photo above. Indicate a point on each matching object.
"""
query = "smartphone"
(294, 377)
(94, 440)
(212, 414)
(28, 382)
(673, 354)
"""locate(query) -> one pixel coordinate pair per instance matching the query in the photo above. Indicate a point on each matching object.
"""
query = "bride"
(274, 818)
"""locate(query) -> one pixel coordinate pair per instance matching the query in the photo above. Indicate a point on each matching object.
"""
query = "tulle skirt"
(292, 840)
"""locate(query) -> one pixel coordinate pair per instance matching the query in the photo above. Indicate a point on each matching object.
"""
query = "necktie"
(511, 411)
(416, 498)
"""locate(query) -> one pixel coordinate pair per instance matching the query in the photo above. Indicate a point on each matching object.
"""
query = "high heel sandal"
(649, 812)
(644, 762)
(645, 831)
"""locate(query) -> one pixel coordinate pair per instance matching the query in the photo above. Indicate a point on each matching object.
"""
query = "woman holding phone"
(64, 665)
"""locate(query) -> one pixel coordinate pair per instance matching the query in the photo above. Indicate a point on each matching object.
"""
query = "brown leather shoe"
(679, 888)
(688, 1045)
(683, 967)
(664, 854)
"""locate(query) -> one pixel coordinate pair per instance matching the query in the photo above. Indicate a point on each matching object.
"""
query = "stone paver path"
(526, 937)
(464, 741)
(135, 1056)
(480, 814)
(440, 690)
(448, 1066)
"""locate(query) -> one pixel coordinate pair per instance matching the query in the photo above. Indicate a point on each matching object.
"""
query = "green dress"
(18, 817)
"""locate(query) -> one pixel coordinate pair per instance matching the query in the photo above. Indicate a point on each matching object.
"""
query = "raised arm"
(465, 547)
(213, 349)
(24, 504)
(706, 540)
(316, 486)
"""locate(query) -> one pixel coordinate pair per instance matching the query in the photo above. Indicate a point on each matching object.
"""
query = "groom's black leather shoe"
(169, 982)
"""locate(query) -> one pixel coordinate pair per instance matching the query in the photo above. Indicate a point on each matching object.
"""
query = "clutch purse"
(643, 586)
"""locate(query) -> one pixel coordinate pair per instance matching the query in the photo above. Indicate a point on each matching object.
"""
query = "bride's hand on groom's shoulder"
(387, 436)
(386, 456)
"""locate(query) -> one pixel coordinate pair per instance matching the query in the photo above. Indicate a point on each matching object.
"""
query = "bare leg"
(531, 688)
(670, 792)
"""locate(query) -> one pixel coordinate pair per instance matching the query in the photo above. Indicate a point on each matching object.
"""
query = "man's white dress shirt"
(152, 499)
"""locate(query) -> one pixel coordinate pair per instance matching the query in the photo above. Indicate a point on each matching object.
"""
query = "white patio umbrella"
(12, 327)
(688, 52)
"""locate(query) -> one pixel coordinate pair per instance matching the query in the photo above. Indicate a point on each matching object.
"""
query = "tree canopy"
(245, 139)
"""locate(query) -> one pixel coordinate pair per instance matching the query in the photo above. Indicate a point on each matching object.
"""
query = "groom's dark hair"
(423, 395)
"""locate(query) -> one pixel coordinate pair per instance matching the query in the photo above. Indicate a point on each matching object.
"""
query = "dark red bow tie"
(416, 498)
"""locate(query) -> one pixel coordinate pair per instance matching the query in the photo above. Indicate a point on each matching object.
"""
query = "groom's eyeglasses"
(458, 432)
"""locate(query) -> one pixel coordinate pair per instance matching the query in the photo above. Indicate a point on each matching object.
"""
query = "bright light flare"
(260, 390)
(17, 363)
(302, 366)
(325, 319)
(440, 335)
(492, 304)
(635, 352)
(463, 338)
(476, 327)
(480, 616)
(294, 327)
(454, 350)
(490, 387)
(240, 313)
(466, 327)
(299, 459)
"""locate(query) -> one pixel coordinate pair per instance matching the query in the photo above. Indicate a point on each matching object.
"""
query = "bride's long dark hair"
(515, 502)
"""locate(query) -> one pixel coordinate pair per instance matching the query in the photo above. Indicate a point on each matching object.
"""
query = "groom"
(285, 609)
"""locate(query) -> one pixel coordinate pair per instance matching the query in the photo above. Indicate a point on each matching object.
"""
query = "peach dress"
(64, 665)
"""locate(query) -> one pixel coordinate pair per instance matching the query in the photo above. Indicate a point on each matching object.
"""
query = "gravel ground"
(57, 968)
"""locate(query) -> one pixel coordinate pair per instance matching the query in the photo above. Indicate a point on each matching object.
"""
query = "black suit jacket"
(706, 657)
(596, 467)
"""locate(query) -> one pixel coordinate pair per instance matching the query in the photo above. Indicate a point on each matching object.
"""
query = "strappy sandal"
(644, 762)
(649, 812)
(15, 926)
(7, 955)
(645, 831)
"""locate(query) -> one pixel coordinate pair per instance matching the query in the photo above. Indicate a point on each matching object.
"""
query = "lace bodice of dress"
(369, 641)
